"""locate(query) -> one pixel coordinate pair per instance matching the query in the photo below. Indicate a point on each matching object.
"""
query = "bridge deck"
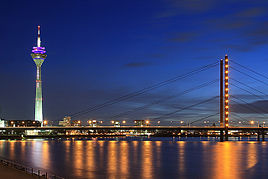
(134, 128)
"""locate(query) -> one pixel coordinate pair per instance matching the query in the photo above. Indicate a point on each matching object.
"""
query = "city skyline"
(98, 56)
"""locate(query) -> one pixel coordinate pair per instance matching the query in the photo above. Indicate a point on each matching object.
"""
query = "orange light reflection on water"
(181, 150)
(252, 155)
(112, 160)
(90, 158)
(124, 159)
(78, 156)
(147, 159)
(46, 155)
(226, 160)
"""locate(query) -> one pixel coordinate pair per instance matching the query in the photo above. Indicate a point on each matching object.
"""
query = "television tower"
(38, 55)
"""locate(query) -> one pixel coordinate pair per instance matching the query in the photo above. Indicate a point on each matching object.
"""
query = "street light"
(45, 122)
(124, 122)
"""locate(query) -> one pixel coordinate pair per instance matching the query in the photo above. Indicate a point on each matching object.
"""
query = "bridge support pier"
(258, 135)
(221, 135)
(226, 134)
(263, 135)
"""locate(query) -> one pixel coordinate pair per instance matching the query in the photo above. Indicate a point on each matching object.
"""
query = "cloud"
(251, 12)
(205, 57)
(228, 23)
(256, 107)
(256, 36)
(261, 30)
(183, 37)
(238, 47)
(177, 7)
(157, 55)
(137, 64)
(246, 31)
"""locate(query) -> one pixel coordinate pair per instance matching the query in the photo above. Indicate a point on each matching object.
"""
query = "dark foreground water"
(142, 158)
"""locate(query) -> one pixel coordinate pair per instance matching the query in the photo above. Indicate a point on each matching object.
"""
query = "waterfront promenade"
(12, 173)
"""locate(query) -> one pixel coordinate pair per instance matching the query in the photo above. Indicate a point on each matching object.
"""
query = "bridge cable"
(247, 91)
(259, 108)
(249, 75)
(185, 108)
(165, 99)
(203, 118)
(142, 91)
(249, 69)
(235, 113)
(253, 107)
(249, 86)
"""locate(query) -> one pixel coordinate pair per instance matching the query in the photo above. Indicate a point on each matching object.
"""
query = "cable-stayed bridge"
(241, 108)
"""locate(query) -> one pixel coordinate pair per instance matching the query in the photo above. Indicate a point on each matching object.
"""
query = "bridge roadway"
(136, 128)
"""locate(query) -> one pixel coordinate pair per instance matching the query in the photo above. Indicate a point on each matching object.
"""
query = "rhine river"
(141, 158)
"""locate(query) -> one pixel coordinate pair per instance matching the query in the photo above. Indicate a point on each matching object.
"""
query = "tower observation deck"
(38, 55)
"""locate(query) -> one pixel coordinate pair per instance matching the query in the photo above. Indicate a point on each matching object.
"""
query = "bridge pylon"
(221, 99)
(226, 96)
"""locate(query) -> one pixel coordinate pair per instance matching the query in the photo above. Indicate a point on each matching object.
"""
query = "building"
(23, 123)
(94, 123)
(76, 123)
(38, 55)
(3, 123)
(142, 123)
(116, 123)
(65, 122)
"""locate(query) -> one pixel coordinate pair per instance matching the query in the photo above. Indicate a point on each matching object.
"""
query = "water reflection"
(158, 153)
(12, 149)
(112, 159)
(45, 155)
(124, 159)
(147, 160)
(252, 155)
(90, 160)
(78, 156)
(226, 160)
(141, 159)
(181, 151)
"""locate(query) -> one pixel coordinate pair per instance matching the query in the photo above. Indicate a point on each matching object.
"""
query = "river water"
(141, 158)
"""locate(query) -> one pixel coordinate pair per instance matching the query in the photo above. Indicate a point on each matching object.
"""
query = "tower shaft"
(38, 96)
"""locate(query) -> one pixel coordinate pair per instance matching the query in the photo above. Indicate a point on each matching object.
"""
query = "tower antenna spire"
(38, 38)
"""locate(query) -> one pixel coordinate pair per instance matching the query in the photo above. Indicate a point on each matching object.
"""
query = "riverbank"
(12, 173)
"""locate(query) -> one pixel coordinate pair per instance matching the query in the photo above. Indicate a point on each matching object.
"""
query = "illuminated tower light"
(38, 55)
(226, 92)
